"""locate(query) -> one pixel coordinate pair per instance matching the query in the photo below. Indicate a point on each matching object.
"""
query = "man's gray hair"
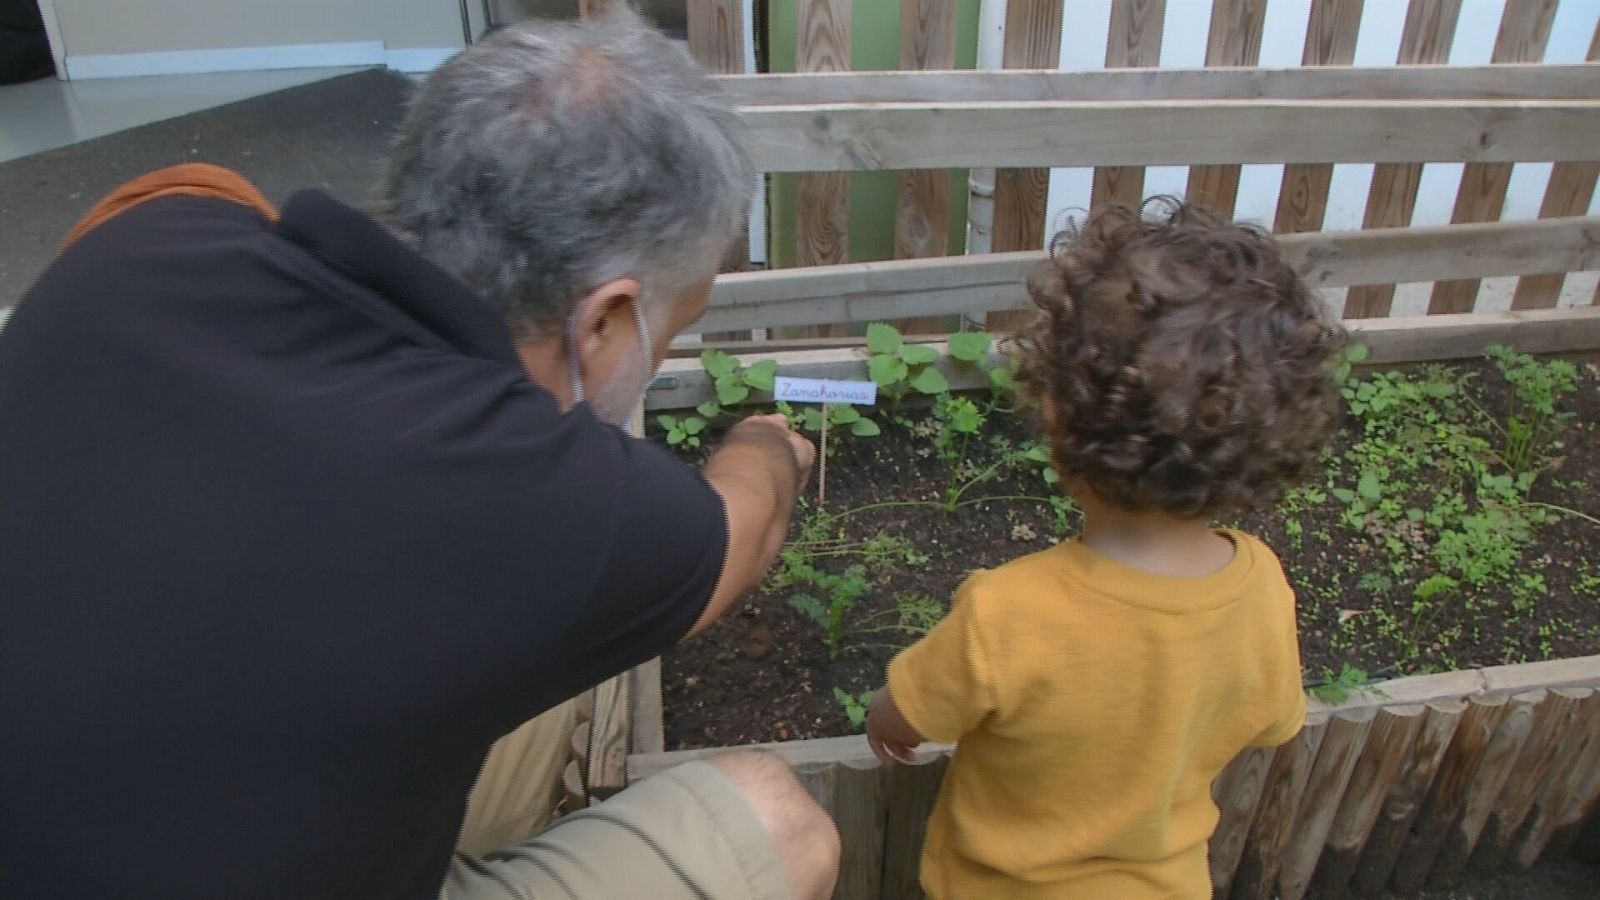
(552, 157)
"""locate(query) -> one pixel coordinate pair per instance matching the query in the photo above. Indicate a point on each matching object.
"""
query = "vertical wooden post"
(922, 211)
(1524, 31)
(1330, 41)
(716, 41)
(1405, 798)
(1554, 723)
(912, 792)
(1388, 748)
(1033, 41)
(1134, 42)
(1579, 759)
(1280, 803)
(1234, 40)
(855, 797)
(1341, 748)
(822, 232)
(1570, 189)
(1237, 792)
(1429, 30)
(1479, 795)
(1449, 792)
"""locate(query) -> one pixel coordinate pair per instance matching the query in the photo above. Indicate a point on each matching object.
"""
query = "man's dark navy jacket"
(287, 539)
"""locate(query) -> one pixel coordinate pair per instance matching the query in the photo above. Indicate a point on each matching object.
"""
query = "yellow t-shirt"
(1094, 704)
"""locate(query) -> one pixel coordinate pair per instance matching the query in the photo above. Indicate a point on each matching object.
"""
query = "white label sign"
(821, 390)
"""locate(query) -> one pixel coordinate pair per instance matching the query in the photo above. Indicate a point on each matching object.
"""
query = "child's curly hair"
(1181, 364)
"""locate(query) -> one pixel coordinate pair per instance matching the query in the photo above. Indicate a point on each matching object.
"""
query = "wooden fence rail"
(879, 291)
(1433, 777)
(841, 137)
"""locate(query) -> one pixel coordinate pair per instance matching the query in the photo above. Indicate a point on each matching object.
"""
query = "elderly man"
(302, 511)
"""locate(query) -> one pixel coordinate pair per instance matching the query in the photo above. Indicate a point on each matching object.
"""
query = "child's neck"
(1153, 542)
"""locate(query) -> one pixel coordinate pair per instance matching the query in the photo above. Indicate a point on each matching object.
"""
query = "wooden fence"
(1436, 776)
(1130, 115)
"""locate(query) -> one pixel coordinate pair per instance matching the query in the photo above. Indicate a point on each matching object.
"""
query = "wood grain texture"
(1571, 187)
(1556, 720)
(1579, 759)
(1237, 792)
(822, 198)
(1392, 198)
(872, 137)
(1275, 816)
(1330, 775)
(882, 291)
(1406, 796)
(922, 208)
(912, 793)
(1387, 747)
(1234, 40)
(1479, 795)
(1448, 795)
(1134, 42)
(1573, 81)
(1524, 32)
(1032, 41)
(716, 34)
(1330, 41)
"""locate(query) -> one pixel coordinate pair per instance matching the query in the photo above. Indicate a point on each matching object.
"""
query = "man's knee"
(803, 832)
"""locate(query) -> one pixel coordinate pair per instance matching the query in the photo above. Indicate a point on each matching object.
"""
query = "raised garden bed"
(1439, 537)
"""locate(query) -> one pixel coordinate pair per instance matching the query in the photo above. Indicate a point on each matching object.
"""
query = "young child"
(1180, 370)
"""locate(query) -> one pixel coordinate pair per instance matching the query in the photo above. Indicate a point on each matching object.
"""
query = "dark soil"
(764, 673)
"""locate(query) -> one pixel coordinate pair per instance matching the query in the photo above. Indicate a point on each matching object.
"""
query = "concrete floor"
(49, 113)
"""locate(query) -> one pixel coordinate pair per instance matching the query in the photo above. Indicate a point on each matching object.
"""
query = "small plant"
(855, 705)
(898, 367)
(1337, 688)
(841, 592)
(840, 415)
(733, 386)
(1531, 424)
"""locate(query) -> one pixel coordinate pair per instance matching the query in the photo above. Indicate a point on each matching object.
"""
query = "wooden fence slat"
(1237, 792)
(1388, 746)
(912, 792)
(1429, 30)
(1330, 40)
(1134, 41)
(1480, 794)
(716, 34)
(874, 137)
(883, 291)
(1032, 41)
(1448, 794)
(859, 812)
(1280, 803)
(1555, 721)
(1510, 81)
(1524, 31)
(922, 211)
(1341, 748)
(1404, 802)
(1580, 759)
(1571, 187)
(822, 201)
(1234, 40)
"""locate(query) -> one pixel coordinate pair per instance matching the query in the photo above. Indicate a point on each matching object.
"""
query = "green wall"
(875, 45)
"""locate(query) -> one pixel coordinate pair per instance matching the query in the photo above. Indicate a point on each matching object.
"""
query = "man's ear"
(602, 316)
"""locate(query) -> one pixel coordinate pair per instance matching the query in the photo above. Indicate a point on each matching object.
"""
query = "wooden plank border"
(845, 137)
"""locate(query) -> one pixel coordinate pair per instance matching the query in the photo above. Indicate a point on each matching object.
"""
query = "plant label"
(822, 390)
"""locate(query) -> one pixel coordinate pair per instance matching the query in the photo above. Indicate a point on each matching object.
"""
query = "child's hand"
(890, 736)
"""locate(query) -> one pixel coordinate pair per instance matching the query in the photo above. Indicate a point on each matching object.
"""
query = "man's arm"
(758, 472)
